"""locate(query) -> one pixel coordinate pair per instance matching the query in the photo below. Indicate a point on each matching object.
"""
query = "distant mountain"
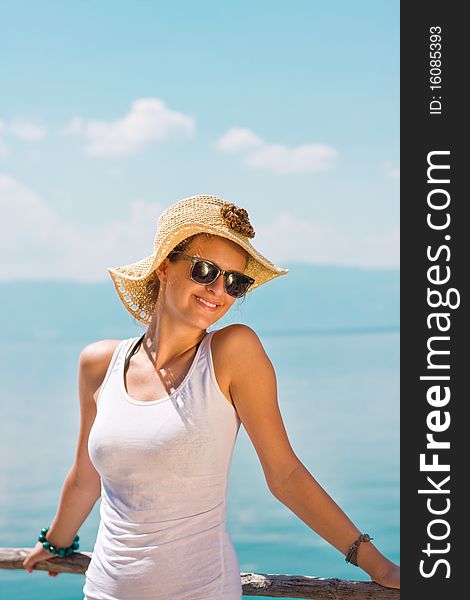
(308, 299)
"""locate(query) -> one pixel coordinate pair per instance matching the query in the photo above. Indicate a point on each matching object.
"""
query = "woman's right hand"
(390, 577)
(37, 554)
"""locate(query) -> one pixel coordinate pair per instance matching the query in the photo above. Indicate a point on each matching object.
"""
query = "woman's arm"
(82, 485)
(253, 389)
(305, 497)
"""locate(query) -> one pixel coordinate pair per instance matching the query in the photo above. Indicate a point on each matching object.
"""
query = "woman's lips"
(209, 308)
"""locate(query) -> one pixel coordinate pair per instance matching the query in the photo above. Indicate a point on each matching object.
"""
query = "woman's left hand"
(389, 577)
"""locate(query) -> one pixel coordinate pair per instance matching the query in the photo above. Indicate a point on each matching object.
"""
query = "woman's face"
(180, 292)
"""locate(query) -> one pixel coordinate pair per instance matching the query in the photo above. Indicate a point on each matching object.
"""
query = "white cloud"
(148, 120)
(239, 139)
(292, 238)
(27, 131)
(37, 242)
(279, 159)
(22, 129)
(24, 217)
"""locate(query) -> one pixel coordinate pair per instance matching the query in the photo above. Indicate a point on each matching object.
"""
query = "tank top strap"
(205, 348)
(207, 366)
(114, 362)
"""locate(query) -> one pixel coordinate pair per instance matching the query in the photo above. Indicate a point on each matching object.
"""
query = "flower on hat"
(237, 219)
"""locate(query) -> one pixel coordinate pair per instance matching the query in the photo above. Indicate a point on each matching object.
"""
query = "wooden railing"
(254, 584)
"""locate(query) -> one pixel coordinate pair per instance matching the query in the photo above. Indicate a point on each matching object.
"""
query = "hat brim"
(131, 281)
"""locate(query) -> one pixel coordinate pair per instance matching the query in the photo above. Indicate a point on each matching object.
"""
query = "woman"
(160, 415)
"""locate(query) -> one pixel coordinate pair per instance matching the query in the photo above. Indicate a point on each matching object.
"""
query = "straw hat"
(179, 221)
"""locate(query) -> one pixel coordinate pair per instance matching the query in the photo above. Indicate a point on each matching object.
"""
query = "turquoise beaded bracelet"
(59, 551)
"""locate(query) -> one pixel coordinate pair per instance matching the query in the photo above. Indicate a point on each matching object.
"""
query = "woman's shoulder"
(239, 358)
(236, 331)
(229, 340)
(232, 348)
(95, 358)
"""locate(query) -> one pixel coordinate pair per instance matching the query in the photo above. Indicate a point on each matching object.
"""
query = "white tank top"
(164, 468)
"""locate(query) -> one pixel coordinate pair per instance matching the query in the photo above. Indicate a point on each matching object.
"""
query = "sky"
(111, 111)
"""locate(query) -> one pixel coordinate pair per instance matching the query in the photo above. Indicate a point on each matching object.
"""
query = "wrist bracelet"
(351, 556)
(53, 549)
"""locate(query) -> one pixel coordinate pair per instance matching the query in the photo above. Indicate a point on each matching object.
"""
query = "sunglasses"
(204, 271)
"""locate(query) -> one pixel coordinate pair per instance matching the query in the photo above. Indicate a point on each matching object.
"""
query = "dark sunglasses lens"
(236, 285)
(203, 272)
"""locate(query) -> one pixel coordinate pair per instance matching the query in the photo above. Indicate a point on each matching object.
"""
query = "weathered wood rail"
(254, 584)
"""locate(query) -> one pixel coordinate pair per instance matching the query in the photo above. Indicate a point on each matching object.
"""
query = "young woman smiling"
(160, 415)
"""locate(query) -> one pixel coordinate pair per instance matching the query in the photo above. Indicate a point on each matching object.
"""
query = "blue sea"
(338, 392)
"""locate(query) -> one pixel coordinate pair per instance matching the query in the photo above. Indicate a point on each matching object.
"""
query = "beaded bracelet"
(59, 551)
(351, 556)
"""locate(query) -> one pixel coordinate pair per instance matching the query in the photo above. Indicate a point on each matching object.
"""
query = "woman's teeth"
(209, 304)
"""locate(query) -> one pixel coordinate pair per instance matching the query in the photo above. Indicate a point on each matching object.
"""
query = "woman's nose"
(217, 286)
